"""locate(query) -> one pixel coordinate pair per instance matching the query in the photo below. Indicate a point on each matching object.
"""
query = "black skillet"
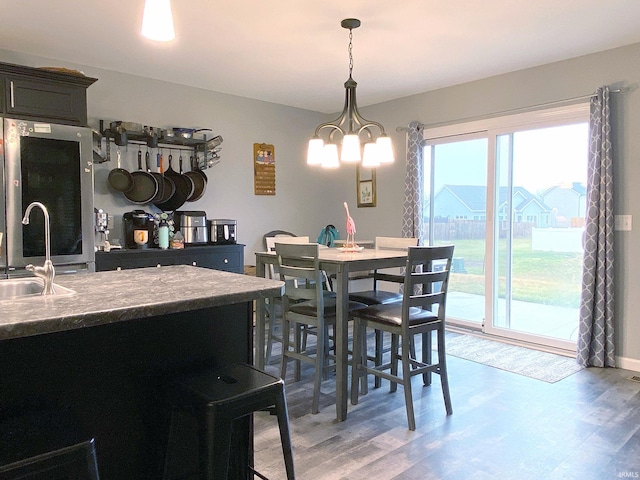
(159, 179)
(119, 178)
(145, 186)
(199, 180)
(168, 187)
(184, 189)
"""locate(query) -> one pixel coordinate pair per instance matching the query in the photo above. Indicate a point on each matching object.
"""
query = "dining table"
(340, 263)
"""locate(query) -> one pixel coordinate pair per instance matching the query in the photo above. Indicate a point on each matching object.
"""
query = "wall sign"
(264, 169)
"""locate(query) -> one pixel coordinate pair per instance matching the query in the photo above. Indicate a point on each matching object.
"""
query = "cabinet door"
(229, 258)
(42, 99)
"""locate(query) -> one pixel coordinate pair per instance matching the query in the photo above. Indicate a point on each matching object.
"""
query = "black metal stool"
(45, 444)
(215, 399)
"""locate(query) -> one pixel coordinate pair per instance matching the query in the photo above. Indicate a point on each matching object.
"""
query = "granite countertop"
(116, 296)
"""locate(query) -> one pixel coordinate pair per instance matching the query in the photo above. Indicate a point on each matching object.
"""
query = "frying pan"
(159, 179)
(184, 189)
(168, 187)
(119, 178)
(199, 180)
(145, 186)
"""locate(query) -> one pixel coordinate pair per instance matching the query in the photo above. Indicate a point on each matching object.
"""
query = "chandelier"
(348, 128)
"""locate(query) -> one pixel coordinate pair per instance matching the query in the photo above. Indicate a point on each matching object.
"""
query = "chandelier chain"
(350, 52)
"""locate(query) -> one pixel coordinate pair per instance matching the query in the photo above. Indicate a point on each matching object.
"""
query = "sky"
(542, 158)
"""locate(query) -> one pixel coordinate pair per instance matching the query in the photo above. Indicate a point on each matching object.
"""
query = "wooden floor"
(504, 426)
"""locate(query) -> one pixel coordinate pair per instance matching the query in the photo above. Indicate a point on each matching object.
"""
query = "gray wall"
(548, 83)
(307, 199)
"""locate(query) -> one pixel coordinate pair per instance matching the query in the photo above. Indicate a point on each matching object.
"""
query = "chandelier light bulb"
(371, 157)
(350, 148)
(315, 151)
(385, 149)
(157, 21)
(330, 156)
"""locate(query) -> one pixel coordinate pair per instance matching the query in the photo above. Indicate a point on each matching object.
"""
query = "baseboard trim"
(628, 363)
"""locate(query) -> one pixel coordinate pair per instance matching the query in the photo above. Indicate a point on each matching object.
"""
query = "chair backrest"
(427, 280)
(271, 241)
(281, 236)
(300, 261)
(395, 243)
(275, 233)
(391, 243)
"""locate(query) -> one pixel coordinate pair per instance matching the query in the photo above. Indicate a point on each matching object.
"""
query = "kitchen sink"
(17, 288)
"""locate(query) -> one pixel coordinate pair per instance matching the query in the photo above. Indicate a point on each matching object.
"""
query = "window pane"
(459, 218)
(541, 201)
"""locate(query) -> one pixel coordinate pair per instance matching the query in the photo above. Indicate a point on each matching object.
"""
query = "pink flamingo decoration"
(351, 229)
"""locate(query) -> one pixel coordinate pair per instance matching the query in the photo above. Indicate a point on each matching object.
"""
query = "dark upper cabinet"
(38, 94)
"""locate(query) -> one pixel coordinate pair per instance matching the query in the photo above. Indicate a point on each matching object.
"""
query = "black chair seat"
(392, 315)
(375, 297)
(310, 307)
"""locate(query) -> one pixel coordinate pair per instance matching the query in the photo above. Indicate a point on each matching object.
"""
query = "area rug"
(544, 366)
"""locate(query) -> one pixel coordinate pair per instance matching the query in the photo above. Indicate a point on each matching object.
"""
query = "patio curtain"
(412, 218)
(595, 345)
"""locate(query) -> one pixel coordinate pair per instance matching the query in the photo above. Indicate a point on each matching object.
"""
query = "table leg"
(342, 342)
(260, 322)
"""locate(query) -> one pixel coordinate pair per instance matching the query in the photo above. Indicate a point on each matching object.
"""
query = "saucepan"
(185, 132)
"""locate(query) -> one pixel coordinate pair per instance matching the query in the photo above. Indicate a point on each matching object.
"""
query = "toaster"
(223, 231)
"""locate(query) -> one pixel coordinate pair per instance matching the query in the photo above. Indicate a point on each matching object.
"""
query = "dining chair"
(306, 306)
(274, 309)
(376, 295)
(422, 311)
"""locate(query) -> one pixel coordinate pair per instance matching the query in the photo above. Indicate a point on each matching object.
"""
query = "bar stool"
(215, 399)
(45, 444)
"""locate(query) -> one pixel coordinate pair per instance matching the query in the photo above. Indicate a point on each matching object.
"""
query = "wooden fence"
(460, 229)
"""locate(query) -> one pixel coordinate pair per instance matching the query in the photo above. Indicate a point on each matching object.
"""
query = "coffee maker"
(139, 227)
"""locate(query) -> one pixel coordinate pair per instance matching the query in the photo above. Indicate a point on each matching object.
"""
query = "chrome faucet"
(46, 272)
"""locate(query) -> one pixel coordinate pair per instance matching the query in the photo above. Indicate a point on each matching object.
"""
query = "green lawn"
(550, 278)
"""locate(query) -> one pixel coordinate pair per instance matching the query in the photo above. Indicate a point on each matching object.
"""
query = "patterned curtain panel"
(412, 219)
(595, 339)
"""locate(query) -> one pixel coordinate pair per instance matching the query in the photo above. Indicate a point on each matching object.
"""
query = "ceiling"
(294, 52)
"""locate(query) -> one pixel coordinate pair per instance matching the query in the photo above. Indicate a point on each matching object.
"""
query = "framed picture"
(366, 187)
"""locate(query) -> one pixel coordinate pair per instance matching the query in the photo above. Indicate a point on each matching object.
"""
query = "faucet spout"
(46, 272)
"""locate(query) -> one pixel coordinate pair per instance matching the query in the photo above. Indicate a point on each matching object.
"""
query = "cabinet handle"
(195, 264)
(226, 260)
(158, 266)
(13, 102)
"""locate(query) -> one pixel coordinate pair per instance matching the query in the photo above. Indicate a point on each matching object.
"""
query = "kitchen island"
(103, 353)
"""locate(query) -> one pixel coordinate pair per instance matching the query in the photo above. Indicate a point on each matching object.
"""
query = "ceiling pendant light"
(157, 21)
(349, 127)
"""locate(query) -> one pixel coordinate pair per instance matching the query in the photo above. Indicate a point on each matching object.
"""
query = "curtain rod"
(515, 110)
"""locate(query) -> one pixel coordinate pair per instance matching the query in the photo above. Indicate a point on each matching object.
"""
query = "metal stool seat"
(215, 399)
(43, 444)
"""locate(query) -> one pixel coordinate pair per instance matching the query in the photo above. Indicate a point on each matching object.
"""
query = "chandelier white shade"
(157, 21)
(350, 129)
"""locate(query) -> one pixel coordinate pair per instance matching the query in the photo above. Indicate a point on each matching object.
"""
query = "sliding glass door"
(455, 214)
(510, 194)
